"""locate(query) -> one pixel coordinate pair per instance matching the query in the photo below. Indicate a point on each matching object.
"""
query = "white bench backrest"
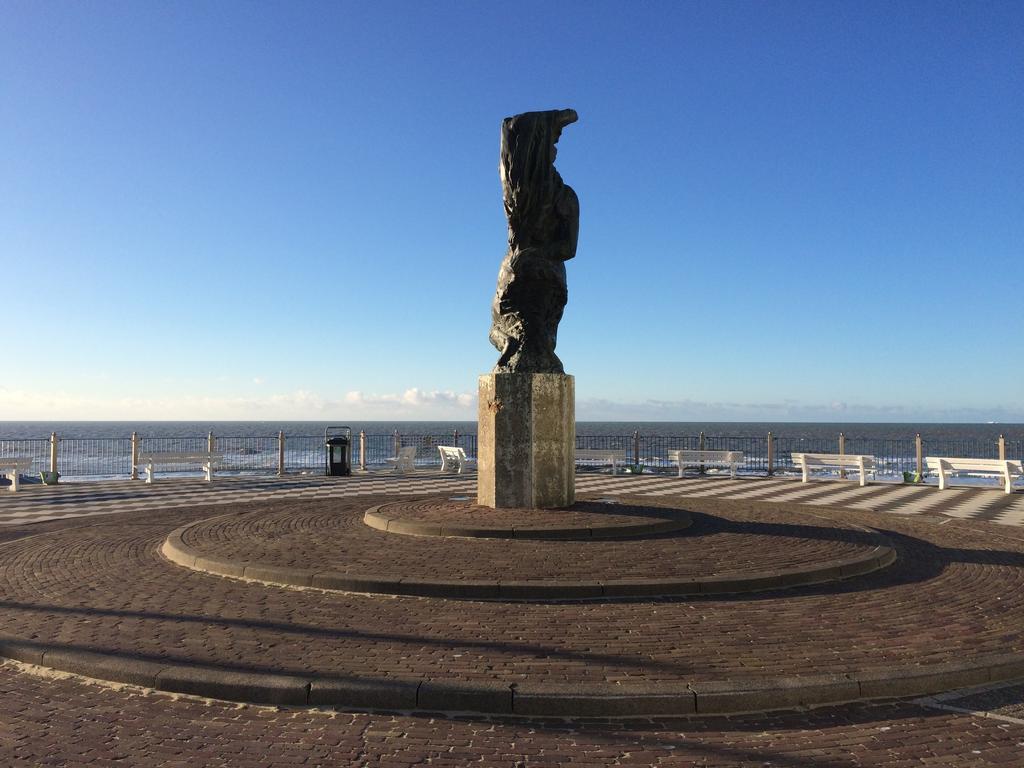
(833, 459)
(968, 464)
(17, 462)
(452, 454)
(706, 457)
(170, 457)
(600, 453)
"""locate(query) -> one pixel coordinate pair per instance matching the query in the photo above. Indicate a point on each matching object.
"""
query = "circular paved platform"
(323, 547)
(458, 516)
(73, 723)
(101, 600)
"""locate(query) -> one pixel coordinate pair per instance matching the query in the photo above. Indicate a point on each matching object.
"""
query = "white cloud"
(415, 399)
(412, 404)
(420, 404)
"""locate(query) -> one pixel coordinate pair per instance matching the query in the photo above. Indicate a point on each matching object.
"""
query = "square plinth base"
(526, 440)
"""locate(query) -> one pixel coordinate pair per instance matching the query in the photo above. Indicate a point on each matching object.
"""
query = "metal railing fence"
(652, 451)
(786, 446)
(755, 450)
(249, 455)
(93, 458)
(87, 457)
(174, 445)
(304, 454)
(36, 449)
(427, 454)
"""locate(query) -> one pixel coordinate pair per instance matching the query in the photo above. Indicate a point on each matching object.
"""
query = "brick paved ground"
(331, 535)
(70, 722)
(1004, 701)
(955, 595)
(462, 510)
(461, 516)
(954, 592)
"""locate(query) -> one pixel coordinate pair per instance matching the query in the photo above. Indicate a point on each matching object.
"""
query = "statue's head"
(562, 118)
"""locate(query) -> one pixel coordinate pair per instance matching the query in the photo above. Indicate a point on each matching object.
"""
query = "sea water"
(930, 432)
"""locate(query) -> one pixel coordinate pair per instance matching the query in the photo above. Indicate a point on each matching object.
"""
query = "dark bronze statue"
(543, 226)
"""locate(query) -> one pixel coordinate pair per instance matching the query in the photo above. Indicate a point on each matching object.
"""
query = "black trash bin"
(339, 451)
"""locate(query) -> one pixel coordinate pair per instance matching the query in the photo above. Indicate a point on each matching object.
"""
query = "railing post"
(771, 454)
(919, 448)
(700, 445)
(398, 443)
(1002, 448)
(842, 452)
(211, 442)
(54, 440)
(455, 438)
(362, 450)
(135, 455)
(280, 453)
(636, 447)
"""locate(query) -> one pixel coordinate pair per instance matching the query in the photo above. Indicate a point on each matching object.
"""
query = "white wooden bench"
(603, 455)
(691, 458)
(149, 461)
(12, 467)
(860, 462)
(405, 461)
(944, 466)
(453, 459)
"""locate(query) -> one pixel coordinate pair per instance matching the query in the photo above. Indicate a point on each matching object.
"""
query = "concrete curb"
(177, 551)
(524, 698)
(375, 518)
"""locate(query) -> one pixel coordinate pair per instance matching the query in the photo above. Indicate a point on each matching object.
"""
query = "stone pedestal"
(526, 440)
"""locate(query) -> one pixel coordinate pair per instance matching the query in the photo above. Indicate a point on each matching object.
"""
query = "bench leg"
(1009, 477)
(803, 471)
(149, 473)
(863, 474)
(208, 469)
(942, 478)
(732, 471)
(13, 477)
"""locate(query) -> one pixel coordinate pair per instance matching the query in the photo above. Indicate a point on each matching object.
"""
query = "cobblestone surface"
(69, 722)
(1007, 701)
(582, 514)
(954, 595)
(331, 536)
(963, 574)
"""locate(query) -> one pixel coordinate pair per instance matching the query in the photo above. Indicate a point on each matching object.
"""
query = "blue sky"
(292, 210)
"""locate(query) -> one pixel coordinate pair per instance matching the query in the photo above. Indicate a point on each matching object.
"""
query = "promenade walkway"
(36, 503)
(82, 571)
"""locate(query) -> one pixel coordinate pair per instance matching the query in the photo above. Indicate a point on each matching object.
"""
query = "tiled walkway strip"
(37, 503)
